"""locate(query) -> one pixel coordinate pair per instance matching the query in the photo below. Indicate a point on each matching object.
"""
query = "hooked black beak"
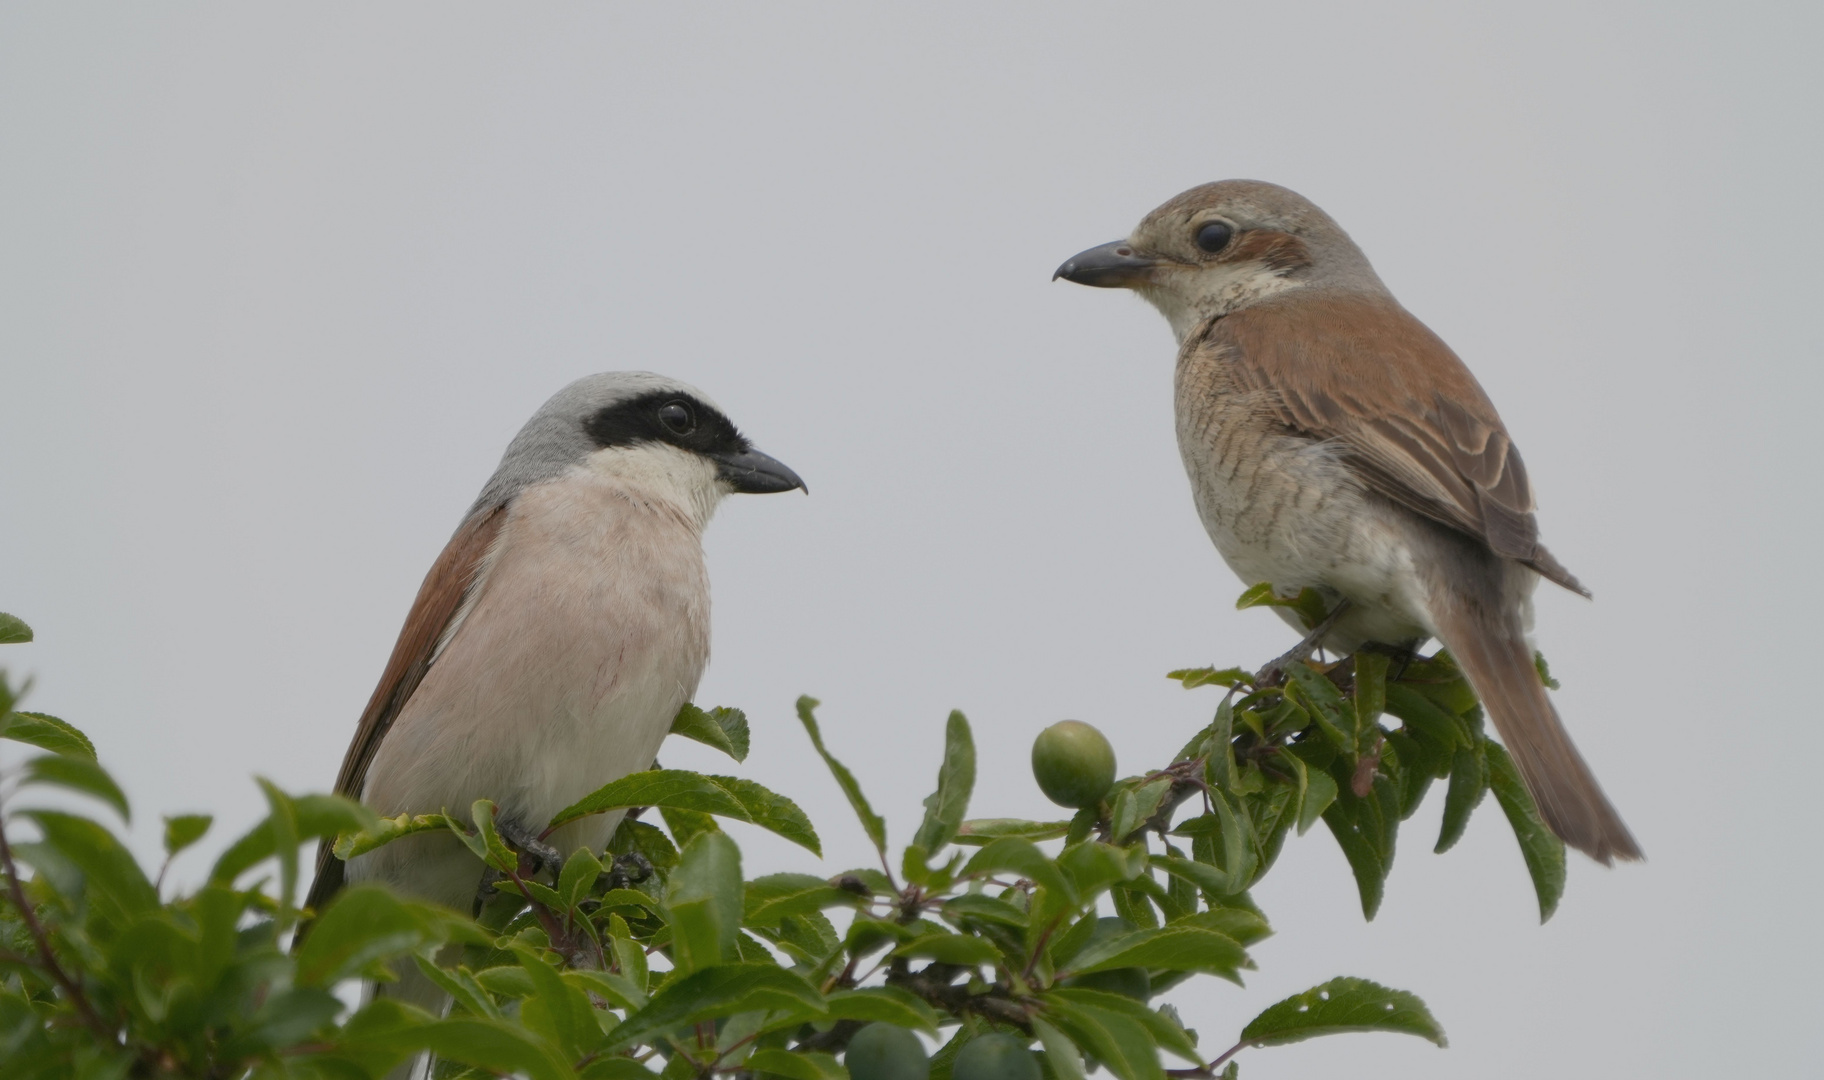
(753, 473)
(1112, 266)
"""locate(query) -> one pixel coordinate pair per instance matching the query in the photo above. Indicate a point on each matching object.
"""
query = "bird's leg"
(485, 891)
(626, 870)
(1275, 671)
(531, 849)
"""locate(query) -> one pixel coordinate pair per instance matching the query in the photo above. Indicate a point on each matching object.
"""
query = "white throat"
(1213, 291)
(684, 482)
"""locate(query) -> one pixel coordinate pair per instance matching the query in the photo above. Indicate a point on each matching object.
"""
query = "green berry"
(885, 1052)
(1073, 764)
(995, 1057)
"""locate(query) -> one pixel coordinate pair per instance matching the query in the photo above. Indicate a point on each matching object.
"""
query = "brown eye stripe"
(1277, 250)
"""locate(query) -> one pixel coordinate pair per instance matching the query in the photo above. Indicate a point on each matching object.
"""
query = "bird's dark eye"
(1214, 236)
(678, 416)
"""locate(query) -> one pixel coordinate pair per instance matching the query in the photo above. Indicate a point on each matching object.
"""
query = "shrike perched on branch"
(555, 638)
(1333, 441)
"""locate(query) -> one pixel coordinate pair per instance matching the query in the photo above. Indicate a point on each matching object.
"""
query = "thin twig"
(43, 942)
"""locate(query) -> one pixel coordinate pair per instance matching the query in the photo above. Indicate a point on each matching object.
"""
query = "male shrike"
(556, 637)
(1333, 441)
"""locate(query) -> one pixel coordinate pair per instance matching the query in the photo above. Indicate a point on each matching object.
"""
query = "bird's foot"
(532, 850)
(628, 869)
(1275, 671)
(486, 891)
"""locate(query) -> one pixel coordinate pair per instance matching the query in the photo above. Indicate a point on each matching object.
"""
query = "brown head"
(1220, 247)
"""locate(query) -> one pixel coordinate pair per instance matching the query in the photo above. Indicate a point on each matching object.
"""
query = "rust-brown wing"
(439, 598)
(1419, 428)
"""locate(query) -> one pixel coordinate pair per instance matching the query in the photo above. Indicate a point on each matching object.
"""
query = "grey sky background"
(278, 284)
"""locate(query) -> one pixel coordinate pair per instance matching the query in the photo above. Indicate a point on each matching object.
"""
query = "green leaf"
(460, 985)
(495, 1045)
(615, 1068)
(1025, 859)
(1309, 603)
(315, 816)
(725, 729)
(1325, 703)
(796, 1065)
(1365, 830)
(1544, 852)
(979, 831)
(1219, 769)
(13, 630)
(507, 980)
(776, 897)
(655, 787)
(872, 823)
(1339, 1006)
(364, 923)
(979, 908)
(383, 831)
(283, 821)
(1319, 792)
(771, 811)
(618, 990)
(1092, 866)
(76, 774)
(557, 1010)
(111, 879)
(684, 825)
(716, 991)
(885, 1004)
(945, 807)
(1468, 783)
(1061, 1055)
(629, 956)
(1422, 715)
(1119, 1041)
(1192, 678)
(1545, 671)
(46, 732)
(1175, 948)
(962, 949)
(1135, 807)
(577, 879)
(677, 789)
(705, 901)
(1370, 689)
(1224, 845)
(1240, 924)
(1166, 1031)
(182, 830)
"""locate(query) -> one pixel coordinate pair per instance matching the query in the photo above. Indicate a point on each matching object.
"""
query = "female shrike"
(1333, 441)
(555, 638)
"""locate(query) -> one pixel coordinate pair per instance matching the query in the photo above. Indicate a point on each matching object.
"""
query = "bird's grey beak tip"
(751, 472)
(1118, 265)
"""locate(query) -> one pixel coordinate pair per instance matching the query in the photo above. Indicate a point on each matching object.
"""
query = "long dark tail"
(1490, 646)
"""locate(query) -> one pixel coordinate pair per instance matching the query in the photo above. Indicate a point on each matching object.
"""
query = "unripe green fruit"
(1073, 764)
(995, 1057)
(885, 1052)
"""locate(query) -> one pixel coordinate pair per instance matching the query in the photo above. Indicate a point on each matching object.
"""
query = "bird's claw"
(627, 869)
(1275, 671)
(485, 891)
(541, 855)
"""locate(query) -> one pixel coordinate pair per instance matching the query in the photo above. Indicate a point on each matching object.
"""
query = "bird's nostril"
(1124, 251)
